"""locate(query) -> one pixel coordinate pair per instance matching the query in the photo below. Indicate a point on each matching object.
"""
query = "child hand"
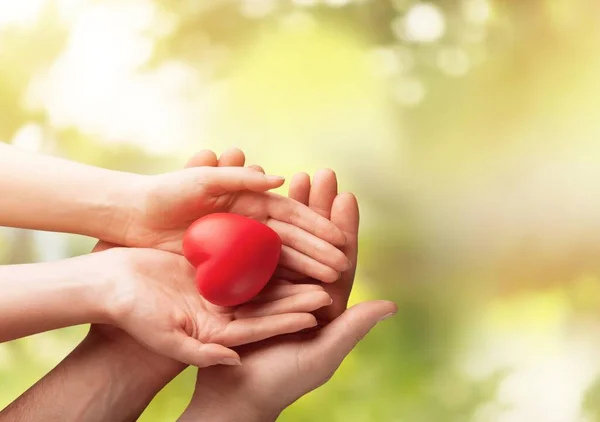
(151, 294)
(167, 204)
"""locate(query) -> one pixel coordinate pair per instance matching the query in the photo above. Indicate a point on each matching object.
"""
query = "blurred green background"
(469, 130)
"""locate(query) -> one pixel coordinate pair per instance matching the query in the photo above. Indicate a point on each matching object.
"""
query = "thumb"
(343, 334)
(193, 352)
(219, 180)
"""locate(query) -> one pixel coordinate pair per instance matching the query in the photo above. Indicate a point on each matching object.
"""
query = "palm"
(221, 324)
(171, 302)
(169, 208)
(165, 221)
(269, 365)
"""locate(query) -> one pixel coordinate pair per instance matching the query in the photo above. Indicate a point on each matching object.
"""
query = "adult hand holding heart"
(235, 257)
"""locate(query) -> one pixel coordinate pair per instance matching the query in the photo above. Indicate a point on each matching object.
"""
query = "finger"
(323, 192)
(290, 211)
(304, 302)
(304, 242)
(336, 340)
(202, 158)
(281, 291)
(300, 188)
(218, 181)
(250, 330)
(256, 167)
(192, 352)
(345, 214)
(296, 261)
(233, 157)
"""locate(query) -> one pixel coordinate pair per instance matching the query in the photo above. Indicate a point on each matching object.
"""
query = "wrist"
(96, 293)
(116, 207)
(103, 379)
(52, 194)
(114, 293)
(208, 404)
(145, 368)
(226, 413)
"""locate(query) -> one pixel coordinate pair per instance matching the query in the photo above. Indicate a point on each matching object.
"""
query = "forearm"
(101, 380)
(46, 296)
(209, 405)
(225, 413)
(47, 193)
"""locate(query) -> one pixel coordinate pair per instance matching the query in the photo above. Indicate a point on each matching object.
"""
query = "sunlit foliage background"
(469, 130)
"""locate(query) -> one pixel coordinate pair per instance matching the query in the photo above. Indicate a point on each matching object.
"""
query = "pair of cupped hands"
(290, 338)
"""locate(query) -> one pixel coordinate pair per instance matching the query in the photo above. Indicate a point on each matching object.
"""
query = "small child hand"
(151, 294)
(169, 203)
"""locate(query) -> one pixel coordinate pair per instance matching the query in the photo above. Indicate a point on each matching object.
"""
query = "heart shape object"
(234, 256)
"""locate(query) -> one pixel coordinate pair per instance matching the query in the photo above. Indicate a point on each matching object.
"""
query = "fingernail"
(230, 362)
(391, 314)
(274, 178)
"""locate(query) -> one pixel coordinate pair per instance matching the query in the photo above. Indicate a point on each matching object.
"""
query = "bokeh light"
(424, 22)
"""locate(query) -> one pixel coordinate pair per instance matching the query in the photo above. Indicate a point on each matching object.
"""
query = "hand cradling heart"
(235, 257)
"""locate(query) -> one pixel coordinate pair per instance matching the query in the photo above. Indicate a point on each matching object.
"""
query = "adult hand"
(278, 371)
(322, 197)
(167, 204)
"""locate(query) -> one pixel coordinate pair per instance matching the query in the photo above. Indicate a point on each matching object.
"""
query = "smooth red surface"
(235, 257)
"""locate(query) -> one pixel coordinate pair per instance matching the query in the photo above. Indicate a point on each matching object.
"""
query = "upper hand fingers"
(310, 245)
(303, 302)
(345, 214)
(233, 157)
(323, 191)
(290, 211)
(249, 330)
(296, 261)
(204, 157)
(279, 291)
(300, 188)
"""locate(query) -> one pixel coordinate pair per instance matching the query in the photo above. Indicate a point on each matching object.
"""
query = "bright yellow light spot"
(538, 312)
(424, 22)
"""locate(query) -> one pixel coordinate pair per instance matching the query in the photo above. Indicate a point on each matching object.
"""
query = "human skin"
(278, 371)
(126, 376)
(150, 294)
(126, 287)
(52, 194)
(112, 376)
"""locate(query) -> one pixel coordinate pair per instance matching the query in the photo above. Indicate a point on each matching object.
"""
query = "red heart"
(235, 257)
